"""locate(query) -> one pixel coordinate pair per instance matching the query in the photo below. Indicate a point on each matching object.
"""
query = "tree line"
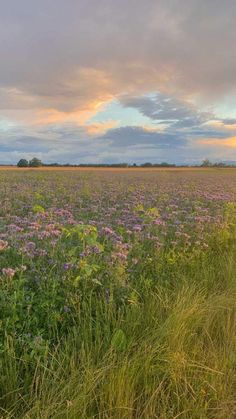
(208, 163)
(35, 162)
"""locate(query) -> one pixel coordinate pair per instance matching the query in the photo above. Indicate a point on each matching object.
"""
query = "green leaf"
(119, 341)
(96, 281)
(73, 251)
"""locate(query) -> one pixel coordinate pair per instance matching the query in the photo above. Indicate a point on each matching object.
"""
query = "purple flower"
(67, 266)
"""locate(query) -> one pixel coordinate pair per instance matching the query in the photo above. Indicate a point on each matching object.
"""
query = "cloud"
(25, 145)
(70, 143)
(168, 110)
(136, 136)
(174, 139)
(229, 121)
(229, 142)
(99, 128)
(78, 53)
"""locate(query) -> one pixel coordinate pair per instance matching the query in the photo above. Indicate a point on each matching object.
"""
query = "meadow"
(118, 294)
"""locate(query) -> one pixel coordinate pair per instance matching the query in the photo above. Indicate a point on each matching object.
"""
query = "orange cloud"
(151, 128)
(80, 117)
(213, 142)
(51, 115)
(220, 125)
(100, 127)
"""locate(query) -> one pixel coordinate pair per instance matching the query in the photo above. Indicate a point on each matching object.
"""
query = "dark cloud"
(26, 144)
(136, 136)
(229, 121)
(166, 109)
(208, 132)
(182, 120)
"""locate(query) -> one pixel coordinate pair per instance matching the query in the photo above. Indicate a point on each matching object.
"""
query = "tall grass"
(170, 353)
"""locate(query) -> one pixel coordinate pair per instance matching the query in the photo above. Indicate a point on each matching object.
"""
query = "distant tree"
(219, 164)
(35, 162)
(23, 163)
(52, 164)
(118, 165)
(146, 164)
(206, 163)
(165, 164)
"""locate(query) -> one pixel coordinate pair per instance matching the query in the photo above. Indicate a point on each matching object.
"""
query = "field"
(118, 293)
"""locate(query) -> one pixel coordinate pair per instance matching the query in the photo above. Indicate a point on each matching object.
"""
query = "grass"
(170, 353)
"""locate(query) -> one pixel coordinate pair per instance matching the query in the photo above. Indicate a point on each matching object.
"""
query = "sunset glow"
(82, 82)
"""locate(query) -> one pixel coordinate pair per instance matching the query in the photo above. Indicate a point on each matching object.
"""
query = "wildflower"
(8, 272)
(3, 245)
(107, 230)
(34, 226)
(43, 235)
(119, 255)
(137, 228)
(158, 222)
(30, 245)
(95, 249)
(55, 232)
(15, 228)
(41, 252)
(67, 266)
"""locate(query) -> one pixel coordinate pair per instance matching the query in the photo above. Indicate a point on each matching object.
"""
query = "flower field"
(118, 294)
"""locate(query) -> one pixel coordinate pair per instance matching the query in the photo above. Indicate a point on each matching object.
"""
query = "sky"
(108, 81)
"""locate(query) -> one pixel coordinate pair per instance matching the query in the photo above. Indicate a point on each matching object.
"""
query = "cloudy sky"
(118, 81)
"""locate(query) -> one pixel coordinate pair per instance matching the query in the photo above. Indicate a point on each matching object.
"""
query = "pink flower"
(3, 245)
(9, 272)
(137, 228)
(158, 222)
(107, 230)
(119, 255)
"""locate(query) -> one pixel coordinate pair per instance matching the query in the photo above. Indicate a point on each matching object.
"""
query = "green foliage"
(38, 209)
(35, 162)
(119, 341)
(169, 349)
(23, 163)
